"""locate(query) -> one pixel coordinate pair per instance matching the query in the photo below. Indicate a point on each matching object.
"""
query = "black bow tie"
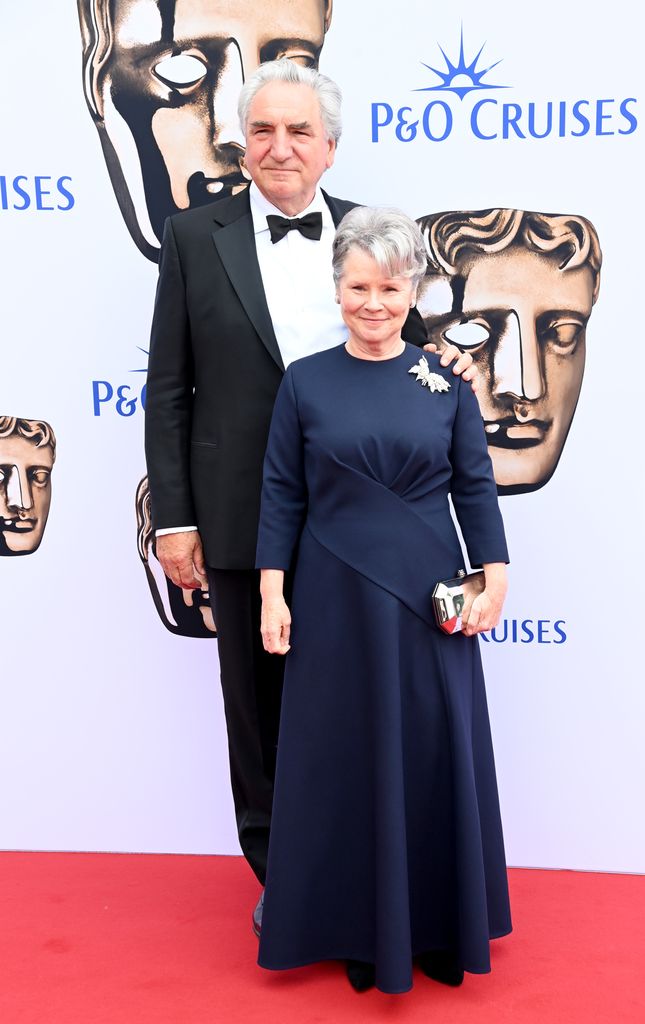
(310, 226)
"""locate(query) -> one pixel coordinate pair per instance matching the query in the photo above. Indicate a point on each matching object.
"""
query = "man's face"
(168, 92)
(287, 150)
(523, 321)
(25, 493)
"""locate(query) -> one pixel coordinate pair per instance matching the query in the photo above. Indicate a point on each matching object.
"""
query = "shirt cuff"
(175, 529)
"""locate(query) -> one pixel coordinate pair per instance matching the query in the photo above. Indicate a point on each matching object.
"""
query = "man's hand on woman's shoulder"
(464, 365)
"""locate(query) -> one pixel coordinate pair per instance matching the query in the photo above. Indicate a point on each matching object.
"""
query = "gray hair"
(286, 70)
(390, 237)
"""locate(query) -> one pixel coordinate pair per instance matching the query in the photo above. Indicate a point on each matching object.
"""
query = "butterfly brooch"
(434, 381)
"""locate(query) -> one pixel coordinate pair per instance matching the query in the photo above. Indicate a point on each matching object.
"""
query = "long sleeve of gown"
(284, 491)
(473, 488)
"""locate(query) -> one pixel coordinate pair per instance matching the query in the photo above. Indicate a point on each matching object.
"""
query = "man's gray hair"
(286, 70)
(390, 237)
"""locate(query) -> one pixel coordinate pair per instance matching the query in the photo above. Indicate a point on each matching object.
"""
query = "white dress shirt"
(298, 284)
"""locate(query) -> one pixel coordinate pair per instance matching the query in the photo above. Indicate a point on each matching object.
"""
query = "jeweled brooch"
(434, 381)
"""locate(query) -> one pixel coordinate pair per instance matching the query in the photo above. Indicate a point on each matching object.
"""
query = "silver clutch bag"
(449, 598)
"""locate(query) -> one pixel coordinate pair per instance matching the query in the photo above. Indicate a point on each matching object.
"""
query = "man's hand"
(182, 559)
(464, 365)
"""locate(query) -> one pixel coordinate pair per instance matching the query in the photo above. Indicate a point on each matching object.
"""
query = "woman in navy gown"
(386, 841)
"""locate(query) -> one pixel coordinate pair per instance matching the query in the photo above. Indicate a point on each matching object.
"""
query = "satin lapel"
(337, 207)
(235, 243)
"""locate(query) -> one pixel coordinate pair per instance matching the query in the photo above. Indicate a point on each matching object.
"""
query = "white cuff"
(175, 529)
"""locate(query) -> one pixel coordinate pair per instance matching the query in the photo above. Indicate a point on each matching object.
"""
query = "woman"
(386, 841)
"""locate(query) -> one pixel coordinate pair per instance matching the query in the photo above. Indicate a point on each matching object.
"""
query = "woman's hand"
(275, 620)
(485, 611)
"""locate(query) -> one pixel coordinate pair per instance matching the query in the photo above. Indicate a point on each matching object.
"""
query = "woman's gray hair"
(390, 237)
(286, 70)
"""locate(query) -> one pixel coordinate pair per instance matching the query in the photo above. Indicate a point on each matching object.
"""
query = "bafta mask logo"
(161, 80)
(515, 289)
(184, 612)
(27, 454)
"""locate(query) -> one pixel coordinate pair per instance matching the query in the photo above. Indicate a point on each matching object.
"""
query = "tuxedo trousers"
(252, 690)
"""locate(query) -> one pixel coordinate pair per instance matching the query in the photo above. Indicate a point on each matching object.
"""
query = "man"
(241, 293)
(516, 289)
(27, 454)
(161, 80)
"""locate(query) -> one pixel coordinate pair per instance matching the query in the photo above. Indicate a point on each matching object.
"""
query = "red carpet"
(108, 939)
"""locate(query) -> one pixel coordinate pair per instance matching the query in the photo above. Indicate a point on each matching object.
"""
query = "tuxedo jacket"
(213, 375)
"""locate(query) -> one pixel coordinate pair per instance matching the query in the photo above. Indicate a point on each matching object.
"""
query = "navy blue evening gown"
(386, 838)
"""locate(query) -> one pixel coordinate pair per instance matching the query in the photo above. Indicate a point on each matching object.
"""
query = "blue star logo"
(146, 353)
(461, 78)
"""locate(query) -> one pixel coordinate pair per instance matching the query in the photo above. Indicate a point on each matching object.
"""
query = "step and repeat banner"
(516, 140)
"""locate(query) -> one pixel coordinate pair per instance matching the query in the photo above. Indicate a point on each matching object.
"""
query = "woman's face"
(374, 306)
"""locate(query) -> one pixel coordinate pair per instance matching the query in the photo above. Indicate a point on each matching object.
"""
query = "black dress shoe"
(441, 965)
(257, 915)
(361, 976)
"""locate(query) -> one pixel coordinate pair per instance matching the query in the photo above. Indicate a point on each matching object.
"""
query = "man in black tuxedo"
(245, 286)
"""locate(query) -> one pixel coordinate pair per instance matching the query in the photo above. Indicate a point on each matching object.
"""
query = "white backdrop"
(111, 727)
